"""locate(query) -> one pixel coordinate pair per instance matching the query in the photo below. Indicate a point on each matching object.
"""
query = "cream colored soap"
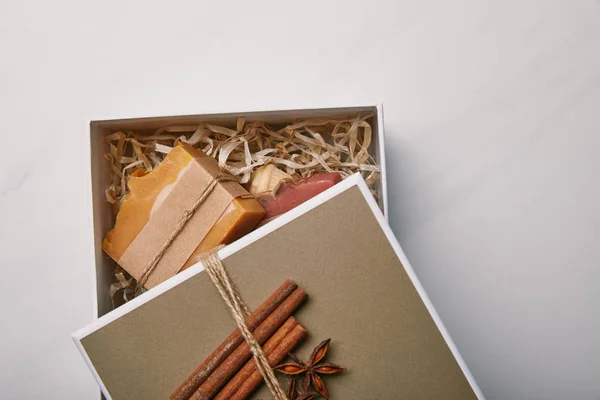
(267, 178)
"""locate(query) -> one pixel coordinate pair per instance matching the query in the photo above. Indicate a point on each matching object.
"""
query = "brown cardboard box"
(362, 292)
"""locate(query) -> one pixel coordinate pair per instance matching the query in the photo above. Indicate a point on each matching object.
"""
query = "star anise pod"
(312, 369)
(292, 391)
(294, 394)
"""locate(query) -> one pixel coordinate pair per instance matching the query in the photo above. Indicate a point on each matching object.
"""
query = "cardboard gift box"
(362, 292)
(337, 246)
(103, 218)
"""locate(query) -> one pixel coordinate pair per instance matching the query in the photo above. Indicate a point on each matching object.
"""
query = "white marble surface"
(493, 133)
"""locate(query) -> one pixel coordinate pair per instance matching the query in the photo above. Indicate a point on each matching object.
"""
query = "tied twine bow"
(227, 289)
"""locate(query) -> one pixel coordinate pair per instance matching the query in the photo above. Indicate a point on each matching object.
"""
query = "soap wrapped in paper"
(157, 203)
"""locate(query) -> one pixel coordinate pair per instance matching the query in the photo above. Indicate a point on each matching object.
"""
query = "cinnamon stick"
(274, 358)
(196, 378)
(238, 358)
(234, 383)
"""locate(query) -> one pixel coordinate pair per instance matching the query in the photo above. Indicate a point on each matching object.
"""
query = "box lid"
(362, 291)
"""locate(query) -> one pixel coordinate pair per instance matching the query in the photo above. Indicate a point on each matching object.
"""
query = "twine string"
(226, 287)
(188, 214)
(240, 311)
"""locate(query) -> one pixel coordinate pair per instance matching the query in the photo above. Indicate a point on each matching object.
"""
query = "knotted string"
(227, 289)
(188, 214)
(240, 311)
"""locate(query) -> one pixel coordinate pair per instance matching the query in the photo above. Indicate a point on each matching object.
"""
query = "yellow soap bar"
(240, 218)
(148, 191)
(143, 193)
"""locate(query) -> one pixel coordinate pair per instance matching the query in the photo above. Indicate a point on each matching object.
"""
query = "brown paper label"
(166, 215)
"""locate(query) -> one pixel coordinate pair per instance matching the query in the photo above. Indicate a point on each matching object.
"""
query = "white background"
(492, 116)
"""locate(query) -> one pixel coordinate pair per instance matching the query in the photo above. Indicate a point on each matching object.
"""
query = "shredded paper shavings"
(302, 148)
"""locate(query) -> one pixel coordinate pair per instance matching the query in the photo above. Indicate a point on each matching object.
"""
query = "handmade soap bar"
(266, 179)
(156, 204)
(292, 194)
(241, 217)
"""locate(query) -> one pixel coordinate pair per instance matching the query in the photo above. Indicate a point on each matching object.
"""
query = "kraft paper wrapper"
(358, 294)
(163, 221)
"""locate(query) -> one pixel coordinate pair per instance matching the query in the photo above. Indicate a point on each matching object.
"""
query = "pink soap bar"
(291, 195)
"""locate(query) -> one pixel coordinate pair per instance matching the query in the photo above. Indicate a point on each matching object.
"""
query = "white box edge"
(355, 180)
(380, 149)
